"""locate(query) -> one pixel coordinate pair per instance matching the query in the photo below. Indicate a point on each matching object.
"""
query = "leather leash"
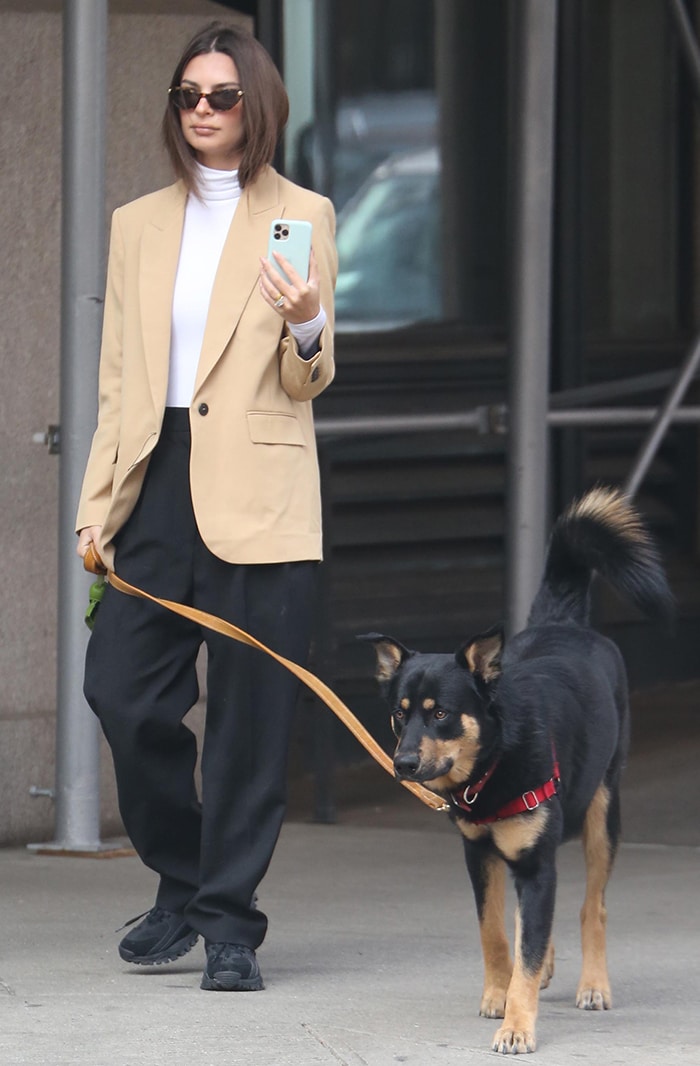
(94, 564)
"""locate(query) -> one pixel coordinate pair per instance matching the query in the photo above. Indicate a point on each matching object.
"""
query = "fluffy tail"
(600, 532)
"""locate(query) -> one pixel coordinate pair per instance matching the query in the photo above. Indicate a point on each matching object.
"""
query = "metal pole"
(492, 418)
(664, 418)
(375, 425)
(533, 181)
(82, 273)
(620, 416)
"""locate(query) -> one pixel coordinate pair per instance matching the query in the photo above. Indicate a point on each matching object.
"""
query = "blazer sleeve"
(99, 473)
(304, 379)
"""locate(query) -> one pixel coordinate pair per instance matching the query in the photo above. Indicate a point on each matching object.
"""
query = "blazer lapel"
(160, 250)
(239, 268)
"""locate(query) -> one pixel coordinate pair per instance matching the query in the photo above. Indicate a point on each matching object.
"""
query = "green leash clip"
(95, 595)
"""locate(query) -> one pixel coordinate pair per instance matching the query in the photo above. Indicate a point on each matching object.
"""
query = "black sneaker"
(162, 936)
(231, 968)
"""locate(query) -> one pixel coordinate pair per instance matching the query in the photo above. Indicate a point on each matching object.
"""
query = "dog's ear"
(482, 654)
(390, 654)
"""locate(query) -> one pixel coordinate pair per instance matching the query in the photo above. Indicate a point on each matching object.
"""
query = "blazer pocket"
(273, 427)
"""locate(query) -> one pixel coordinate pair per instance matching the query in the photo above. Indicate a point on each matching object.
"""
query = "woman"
(202, 486)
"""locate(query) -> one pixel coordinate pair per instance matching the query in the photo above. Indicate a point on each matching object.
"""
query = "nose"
(406, 764)
(203, 105)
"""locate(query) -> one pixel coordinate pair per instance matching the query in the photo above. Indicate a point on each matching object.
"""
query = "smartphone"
(291, 237)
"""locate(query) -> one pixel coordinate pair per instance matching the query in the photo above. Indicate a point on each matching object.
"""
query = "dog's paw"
(493, 1004)
(593, 998)
(513, 1041)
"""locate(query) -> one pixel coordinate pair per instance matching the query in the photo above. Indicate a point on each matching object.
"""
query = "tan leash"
(94, 564)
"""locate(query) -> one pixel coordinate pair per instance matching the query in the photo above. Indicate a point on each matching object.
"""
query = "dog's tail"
(600, 532)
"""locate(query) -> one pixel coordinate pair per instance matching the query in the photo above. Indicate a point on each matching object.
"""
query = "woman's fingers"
(294, 300)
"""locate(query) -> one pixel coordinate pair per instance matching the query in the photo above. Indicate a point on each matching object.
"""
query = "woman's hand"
(88, 535)
(296, 301)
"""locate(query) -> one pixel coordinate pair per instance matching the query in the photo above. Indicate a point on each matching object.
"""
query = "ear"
(482, 654)
(390, 654)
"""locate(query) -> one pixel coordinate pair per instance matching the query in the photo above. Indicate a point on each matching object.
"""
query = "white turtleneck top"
(207, 222)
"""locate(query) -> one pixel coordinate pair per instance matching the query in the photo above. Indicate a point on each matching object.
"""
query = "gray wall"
(145, 39)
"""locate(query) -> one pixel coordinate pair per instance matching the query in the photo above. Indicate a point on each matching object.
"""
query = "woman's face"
(215, 136)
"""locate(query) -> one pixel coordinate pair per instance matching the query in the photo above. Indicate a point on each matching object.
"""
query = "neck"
(217, 185)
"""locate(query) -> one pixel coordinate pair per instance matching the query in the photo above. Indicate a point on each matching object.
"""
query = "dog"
(526, 741)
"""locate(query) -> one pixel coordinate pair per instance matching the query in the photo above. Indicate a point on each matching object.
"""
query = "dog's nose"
(406, 765)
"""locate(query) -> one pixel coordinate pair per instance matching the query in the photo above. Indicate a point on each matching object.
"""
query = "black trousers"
(140, 680)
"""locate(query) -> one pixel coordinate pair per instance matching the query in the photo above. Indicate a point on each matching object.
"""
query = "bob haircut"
(265, 104)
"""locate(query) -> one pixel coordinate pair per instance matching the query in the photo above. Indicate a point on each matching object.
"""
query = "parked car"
(388, 240)
(367, 129)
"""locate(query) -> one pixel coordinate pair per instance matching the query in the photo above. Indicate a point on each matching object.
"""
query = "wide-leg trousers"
(210, 852)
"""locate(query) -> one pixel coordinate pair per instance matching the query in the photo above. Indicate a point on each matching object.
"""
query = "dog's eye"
(399, 716)
(440, 714)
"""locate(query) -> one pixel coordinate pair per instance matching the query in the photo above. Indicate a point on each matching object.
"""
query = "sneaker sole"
(231, 982)
(175, 951)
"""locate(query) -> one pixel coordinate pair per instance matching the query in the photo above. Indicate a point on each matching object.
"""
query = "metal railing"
(483, 419)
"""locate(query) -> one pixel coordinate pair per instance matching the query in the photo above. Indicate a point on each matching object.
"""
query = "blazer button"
(315, 374)
(203, 408)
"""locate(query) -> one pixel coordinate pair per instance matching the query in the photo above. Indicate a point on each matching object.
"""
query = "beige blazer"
(253, 467)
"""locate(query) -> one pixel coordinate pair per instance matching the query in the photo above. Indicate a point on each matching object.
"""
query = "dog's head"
(442, 707)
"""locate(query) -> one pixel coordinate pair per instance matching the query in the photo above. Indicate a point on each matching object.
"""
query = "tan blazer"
(253, 468)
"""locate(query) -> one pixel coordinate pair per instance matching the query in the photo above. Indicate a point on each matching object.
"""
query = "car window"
(388, 247)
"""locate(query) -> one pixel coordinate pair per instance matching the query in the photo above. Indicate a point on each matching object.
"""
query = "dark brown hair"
(265, 103)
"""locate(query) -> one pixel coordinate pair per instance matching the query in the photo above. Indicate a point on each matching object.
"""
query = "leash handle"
(92, 561)
(326, 694)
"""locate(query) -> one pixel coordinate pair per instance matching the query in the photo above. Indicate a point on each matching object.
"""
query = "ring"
(279, 302)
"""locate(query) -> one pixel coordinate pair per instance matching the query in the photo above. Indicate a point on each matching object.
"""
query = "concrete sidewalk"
(372, 959)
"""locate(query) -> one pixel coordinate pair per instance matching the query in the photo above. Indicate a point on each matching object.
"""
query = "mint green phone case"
(291, 237)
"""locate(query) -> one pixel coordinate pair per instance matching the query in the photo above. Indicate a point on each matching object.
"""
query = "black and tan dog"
(527, 743)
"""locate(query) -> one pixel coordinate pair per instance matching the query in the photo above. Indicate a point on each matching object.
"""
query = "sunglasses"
(186, 99)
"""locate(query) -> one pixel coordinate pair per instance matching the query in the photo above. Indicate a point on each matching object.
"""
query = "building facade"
(402, 112)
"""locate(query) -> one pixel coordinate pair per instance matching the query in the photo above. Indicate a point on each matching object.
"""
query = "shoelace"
(153, 912)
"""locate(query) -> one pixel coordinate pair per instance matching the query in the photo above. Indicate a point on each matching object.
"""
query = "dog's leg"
(600, 833)
(488, 876)
(533, 930)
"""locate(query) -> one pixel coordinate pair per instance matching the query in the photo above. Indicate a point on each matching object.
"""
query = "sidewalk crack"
(329, 1048)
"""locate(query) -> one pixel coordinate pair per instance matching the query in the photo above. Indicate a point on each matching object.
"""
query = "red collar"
(529, 801)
